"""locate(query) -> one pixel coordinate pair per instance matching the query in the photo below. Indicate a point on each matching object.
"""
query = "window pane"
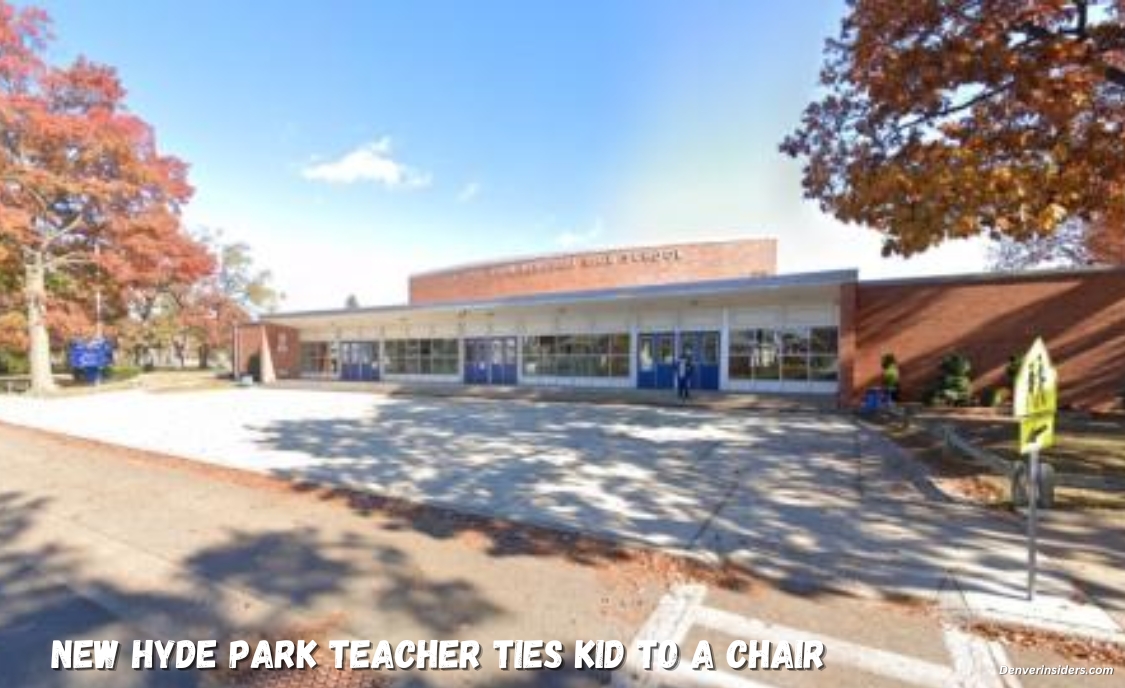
(794, 342)
(619, 344)
(645, 354)
(794, 368)
(823, 368)
(709, 345)
(739, 366)
(824, 340)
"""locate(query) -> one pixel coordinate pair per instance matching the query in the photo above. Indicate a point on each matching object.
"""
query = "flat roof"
(682, 289)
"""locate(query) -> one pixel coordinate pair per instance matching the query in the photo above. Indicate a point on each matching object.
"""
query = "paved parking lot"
(809, 500)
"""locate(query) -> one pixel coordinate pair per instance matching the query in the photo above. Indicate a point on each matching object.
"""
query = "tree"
(954, 118)
(1073, 244)
(351, 303)
(235, 292)
(86, 198)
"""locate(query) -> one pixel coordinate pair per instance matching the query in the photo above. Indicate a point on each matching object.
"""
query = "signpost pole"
(1032, 517)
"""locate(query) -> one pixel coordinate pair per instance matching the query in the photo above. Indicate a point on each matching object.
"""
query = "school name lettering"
(588, 260)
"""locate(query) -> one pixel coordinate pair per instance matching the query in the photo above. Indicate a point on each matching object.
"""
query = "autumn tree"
(85, 195)
(943, 119)
(234, 292)
(153, 315)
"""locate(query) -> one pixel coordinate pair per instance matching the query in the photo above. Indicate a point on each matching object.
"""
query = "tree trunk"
(204, 356)
(39, 353)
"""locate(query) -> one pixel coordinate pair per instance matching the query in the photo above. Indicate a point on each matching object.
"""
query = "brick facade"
(284, 343)
(630, 267)
(1081, 316)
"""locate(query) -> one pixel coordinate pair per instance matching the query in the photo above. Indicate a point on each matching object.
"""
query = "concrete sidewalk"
(658, 398)
(99, 542)
(810, 501)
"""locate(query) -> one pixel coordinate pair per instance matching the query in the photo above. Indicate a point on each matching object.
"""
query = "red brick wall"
(1081, 316)
(284, 342)
(599, 270)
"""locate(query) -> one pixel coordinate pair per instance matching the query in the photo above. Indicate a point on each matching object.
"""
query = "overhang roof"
(648, 292)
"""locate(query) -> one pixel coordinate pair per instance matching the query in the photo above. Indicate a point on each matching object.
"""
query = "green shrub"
(122, 372)
(955, 384)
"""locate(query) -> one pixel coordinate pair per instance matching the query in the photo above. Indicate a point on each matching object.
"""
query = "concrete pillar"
(724, 351)
(849, 295)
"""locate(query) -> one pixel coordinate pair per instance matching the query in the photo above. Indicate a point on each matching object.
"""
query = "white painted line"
(839, 652)
(718, 679)
(974, 659)
(670, 621)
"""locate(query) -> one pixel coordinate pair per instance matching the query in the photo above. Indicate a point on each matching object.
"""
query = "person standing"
(684, 370)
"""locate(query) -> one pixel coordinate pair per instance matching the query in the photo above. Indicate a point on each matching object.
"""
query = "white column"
(724, 351)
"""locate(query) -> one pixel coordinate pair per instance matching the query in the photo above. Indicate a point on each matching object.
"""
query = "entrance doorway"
(658, 352)
(656, 360)
(490, 361)
(358, 361)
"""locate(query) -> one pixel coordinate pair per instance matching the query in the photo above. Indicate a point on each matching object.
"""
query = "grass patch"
(1087, 446)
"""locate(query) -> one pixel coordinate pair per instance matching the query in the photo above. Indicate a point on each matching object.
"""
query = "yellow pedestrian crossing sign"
(1035, 399)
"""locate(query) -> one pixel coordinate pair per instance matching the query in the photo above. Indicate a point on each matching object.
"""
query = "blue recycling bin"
(874, 399)
(90, 358)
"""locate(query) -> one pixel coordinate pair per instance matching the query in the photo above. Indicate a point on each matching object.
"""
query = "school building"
(621, 318)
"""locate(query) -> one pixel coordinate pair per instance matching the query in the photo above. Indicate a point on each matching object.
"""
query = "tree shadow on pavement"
(807, 503)
(274, 585)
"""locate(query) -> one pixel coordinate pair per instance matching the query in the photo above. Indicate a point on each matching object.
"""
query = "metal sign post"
(1032, 518)
(1034, 404)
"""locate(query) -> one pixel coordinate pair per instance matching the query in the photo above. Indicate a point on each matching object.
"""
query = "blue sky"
(353, 142)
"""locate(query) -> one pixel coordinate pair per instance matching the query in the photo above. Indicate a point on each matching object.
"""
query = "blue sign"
(92, 354)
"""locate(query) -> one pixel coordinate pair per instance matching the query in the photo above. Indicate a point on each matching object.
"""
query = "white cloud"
(572, 238)
(371, 162)
(468, 192)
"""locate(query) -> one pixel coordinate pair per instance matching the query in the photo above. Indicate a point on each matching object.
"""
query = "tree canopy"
(942, 119)
(86, 197)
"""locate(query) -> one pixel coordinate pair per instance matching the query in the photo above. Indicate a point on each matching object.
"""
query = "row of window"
(598, 355)
(421, 356)
(784, 354)
(767, 354)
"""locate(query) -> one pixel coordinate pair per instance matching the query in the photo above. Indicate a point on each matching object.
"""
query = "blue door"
(490, 361)
(358, 361)
(703, 350)
(656, 360)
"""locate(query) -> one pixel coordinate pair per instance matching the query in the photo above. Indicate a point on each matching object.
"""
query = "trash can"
(873, 400)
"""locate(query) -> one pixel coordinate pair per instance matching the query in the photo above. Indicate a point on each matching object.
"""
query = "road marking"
(670, 621)
(975, 660)
(879, 662)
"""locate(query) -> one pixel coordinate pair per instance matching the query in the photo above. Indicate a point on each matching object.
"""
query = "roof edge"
(1040, 275)
(706, 287)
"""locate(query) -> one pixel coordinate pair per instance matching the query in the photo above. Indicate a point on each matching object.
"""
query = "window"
(421, 356)
(317, 359)
(788, 354)
(576, 356)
